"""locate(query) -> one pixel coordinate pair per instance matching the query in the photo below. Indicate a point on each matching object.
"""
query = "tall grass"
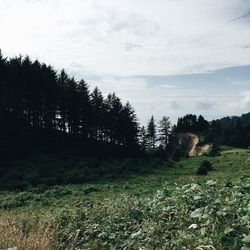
(26, 233)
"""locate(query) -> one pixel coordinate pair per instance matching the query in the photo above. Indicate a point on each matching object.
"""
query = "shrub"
(204, 167)
(129, 164)
(215, 151)
(202, 170)
(207, 164)
(177, 155)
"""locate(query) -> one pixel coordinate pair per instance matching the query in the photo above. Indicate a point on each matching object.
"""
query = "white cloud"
(133, 37)
(110, 42)
(244, 102)
(241, 83)
(151, 99)
(176, 105)
(204, 104)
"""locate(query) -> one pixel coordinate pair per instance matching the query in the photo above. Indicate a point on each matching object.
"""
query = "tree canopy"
(35, 96)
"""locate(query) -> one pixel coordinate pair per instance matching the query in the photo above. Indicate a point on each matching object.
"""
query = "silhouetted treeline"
(34, 97)
(54, 130)
(237, 134)
(191, 123)
(229, 120)
(230, 131)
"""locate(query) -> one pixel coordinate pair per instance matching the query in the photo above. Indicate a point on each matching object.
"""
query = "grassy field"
(170, 208)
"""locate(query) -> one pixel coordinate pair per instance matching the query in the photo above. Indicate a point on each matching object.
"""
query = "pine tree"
(97, 114)
(84, 108)
(129, 128)
(113, 123)
(164, 131)
(62, 104)
(72, 106)
(143, 138)
(3, 72)
(202, 124)
(151, 132)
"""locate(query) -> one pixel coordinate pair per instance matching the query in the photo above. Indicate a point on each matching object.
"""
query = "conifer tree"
(143, 138)
(151, 132)
(164, 131)
(129, 128)
(97, 114)
(62, 104)
(3, 72)
(84, 108)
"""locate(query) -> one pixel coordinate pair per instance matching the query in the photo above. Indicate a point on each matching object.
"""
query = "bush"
(202, 170)
(207, 164)
(204, 167)
(215, 151)
(129, 165)
(177, 155)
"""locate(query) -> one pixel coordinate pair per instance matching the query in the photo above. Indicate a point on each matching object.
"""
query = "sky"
(166, 57)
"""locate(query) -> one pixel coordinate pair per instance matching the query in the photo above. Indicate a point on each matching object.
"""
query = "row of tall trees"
(231, 131)
(191, 123)
(34, 94)
(156, 136)
(236, 134)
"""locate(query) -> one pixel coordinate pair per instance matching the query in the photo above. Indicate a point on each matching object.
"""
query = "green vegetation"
(204, 167)
(167, 208)
(42, 170)
(55, 131)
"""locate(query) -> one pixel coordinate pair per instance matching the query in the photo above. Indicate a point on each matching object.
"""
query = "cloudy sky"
(167, 57)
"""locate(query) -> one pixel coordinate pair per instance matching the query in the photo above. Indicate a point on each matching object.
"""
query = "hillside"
(170, 208)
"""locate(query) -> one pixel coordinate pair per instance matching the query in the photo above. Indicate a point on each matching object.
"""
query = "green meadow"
(167, 208)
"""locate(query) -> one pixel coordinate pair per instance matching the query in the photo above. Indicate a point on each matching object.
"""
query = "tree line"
(34, 94)
(54, 129)
(191, 123)
(230, 131)
(235, 134)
